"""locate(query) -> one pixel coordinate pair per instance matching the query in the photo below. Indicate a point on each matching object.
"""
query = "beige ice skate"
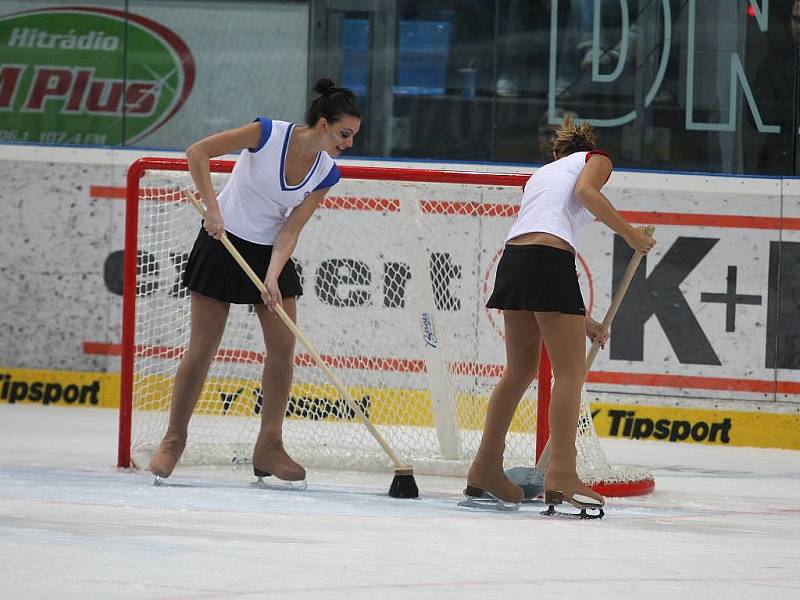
(168, 454)
(269, 458)
(489, 477)
(562, 487)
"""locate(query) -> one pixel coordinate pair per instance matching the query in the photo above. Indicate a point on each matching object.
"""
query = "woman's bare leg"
(564, 338)
(269, 457)
(523, 341)
(208, 320)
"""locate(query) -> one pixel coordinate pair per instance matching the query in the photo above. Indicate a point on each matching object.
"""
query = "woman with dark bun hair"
(537, 289)
(281, 175)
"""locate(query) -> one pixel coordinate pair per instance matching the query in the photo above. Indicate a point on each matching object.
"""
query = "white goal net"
(396, 268)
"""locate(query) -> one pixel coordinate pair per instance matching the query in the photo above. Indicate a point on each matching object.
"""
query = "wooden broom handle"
(303, 340)
(616, 301)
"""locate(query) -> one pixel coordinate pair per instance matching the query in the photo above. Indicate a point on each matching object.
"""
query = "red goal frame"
(142, 165)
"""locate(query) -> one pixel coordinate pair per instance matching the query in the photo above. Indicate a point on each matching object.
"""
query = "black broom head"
(403, 484)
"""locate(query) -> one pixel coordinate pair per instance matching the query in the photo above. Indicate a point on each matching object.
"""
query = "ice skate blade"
(488, 502)
(586, 513)
(280, 484)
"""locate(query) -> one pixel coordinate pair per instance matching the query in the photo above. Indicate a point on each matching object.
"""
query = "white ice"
(722, 523)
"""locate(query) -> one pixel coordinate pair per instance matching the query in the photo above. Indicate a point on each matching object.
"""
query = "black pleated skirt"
(537, 278)
(213, 272)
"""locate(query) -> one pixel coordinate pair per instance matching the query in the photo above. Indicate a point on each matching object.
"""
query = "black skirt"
(538, 278)
(213, 272)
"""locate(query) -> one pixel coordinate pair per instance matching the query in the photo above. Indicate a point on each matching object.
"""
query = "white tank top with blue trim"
(256, 201)
(549, 204)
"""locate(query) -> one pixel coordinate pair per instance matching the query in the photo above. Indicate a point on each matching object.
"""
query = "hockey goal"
(396, 267)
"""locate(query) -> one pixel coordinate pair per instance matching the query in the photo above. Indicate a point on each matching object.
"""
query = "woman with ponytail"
(281, 175)
(537, 289)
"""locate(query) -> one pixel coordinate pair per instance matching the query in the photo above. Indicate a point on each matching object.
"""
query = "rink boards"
(710, 324)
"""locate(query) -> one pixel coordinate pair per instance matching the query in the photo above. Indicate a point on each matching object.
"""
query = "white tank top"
(549, 204)
(256, 201)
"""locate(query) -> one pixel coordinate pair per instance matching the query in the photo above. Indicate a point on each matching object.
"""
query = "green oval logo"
(65, 77)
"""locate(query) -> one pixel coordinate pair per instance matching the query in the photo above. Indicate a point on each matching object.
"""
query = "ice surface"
(722, 523)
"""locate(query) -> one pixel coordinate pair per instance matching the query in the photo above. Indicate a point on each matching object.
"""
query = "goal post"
(396, 265)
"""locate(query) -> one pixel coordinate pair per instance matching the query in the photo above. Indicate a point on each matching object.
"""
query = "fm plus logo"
(65, 77)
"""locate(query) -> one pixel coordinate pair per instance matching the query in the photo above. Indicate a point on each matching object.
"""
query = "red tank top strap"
(600, 153)
(597, 151)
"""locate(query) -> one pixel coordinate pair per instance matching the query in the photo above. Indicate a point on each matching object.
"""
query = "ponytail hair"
(332, 103)
(572, 137)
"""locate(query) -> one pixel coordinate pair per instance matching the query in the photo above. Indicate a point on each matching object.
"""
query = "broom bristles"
(404, 485)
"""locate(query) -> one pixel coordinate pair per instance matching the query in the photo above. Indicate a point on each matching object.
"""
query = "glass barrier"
(668, 84)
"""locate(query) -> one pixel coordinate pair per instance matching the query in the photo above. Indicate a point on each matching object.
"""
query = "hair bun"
(325, 87)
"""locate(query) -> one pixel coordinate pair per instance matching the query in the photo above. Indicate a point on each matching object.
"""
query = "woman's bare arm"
(200, 153)
(593, 177)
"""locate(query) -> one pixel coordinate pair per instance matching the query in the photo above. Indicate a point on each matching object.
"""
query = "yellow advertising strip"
(59, 388)
(696, 426)
(403, 407)
(320, 402)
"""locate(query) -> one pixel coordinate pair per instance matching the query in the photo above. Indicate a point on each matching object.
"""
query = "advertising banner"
(151, 75)
(89, 76)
